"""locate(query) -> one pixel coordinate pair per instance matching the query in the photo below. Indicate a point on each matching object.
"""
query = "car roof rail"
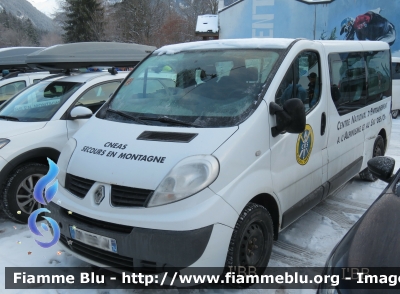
(59, 73)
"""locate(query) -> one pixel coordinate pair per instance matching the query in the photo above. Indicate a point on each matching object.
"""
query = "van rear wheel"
(395, 113)
(252, 238)
(379, 150)
(17, 197)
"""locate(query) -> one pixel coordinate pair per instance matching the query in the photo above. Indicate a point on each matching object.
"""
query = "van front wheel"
(252, 237)
(379, 150)
(395, 113)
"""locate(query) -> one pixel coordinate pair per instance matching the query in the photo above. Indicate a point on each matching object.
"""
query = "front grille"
(99, 255)
(167, 136)
(127, 197)
(77, 185)
(97, 223)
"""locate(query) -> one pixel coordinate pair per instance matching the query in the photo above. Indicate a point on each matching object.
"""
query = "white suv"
(35, 125)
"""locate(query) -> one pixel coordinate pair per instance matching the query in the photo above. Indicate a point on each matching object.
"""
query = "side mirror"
(290, 118)
(382, 167)
(80, 112)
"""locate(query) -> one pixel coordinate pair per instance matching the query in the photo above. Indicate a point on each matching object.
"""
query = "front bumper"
(177, 235)
(137, 247)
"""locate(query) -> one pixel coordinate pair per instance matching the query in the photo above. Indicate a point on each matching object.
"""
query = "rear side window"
(395, 70)
(359, 79)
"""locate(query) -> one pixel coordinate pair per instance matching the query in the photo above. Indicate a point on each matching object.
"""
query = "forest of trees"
(149, 22)
(17, 32)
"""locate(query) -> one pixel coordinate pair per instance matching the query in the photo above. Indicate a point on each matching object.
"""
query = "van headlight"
(63, 160)
(188, 177)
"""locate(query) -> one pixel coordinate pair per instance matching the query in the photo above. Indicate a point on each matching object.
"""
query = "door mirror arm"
(282, 118)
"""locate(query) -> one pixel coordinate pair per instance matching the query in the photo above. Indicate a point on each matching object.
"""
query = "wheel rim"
(25, 200)
(252, 245)
(395, 113)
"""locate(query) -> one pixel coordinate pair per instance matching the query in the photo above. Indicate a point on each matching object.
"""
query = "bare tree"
(51, 39)
(13, 38)
(191, 9)
(138, 20)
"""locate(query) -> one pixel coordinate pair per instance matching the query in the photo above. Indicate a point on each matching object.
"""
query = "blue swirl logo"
(44, 195)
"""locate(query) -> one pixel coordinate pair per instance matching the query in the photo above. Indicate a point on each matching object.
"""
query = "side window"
(396, 71)
(95, 97)
(358, 79)
(302, 80)
(9, 90)
(378, 78)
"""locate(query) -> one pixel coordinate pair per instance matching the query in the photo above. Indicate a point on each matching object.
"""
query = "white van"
(395, 86)
(194, 161)
(20, 76)
(36, 123)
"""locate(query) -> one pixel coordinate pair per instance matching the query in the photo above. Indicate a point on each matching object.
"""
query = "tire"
(395, 113)
(252, 238)
(379, 150)
(21, 182)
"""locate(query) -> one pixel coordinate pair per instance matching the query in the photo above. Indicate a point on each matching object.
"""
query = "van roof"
(15, 57)
(251, 43)
(89, 54)
(345, 45)
(267, 43)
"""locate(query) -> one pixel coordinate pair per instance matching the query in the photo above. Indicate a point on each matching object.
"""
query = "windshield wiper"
(9, 118)
(134, 118)
(167, 119)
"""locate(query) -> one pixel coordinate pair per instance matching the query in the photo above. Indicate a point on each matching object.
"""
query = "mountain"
(48, 7)
(23, 9)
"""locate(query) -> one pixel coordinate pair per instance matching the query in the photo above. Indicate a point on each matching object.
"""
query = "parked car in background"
(36, 123)
(16, 75)
(395, 86)
(373, 242)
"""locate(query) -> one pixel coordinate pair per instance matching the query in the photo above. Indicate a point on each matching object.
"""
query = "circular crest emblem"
(304, 145)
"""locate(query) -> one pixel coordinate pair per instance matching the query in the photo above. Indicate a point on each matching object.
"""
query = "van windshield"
(38, 102)
(200, 88)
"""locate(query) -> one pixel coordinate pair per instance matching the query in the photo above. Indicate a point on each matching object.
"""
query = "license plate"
(94, 240)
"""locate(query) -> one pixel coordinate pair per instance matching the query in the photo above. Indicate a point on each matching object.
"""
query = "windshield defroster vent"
(167, 136)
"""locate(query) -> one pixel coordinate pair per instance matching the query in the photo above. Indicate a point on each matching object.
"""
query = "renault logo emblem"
(99, 194)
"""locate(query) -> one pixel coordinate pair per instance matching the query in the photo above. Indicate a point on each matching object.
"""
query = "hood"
(9, 129)
(138, 155)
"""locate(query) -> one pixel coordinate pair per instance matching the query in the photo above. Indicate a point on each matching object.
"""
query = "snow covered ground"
(307, 242)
